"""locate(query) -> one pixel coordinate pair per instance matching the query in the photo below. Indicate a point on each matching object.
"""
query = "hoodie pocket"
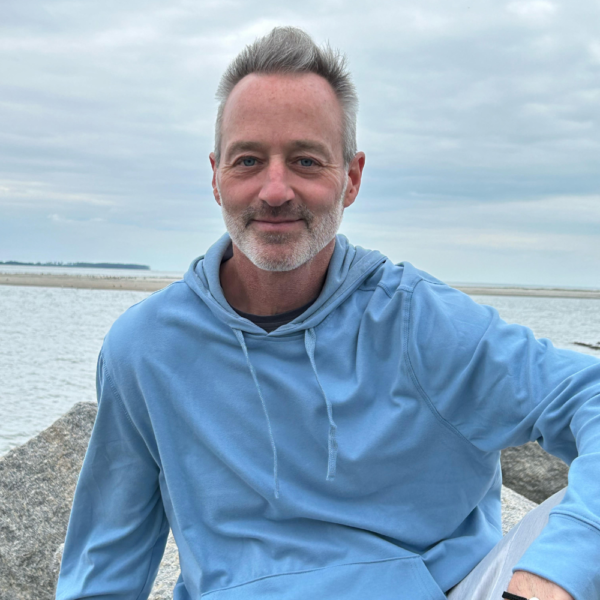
(391, 579)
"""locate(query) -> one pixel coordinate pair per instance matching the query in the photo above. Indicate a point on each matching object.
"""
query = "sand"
(539, 292)
(149, 284)
(91, 282)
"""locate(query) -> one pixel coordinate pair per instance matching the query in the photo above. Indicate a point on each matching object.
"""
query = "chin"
(280, 252)
(278, 255)
(279, 259)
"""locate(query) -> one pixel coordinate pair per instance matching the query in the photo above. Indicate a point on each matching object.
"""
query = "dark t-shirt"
(270, 322)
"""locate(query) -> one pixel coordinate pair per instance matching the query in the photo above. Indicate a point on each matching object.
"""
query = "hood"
(349, 267)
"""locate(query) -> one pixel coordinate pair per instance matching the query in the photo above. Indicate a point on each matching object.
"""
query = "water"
(50, 339)
(561, 320)
(49, 343)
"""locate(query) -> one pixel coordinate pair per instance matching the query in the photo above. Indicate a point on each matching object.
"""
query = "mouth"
(277, 224)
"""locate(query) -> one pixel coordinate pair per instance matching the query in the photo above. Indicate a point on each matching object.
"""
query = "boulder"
(37, 483)
(514, 508)
(532, 472)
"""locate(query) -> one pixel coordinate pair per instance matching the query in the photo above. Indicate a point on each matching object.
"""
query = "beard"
(283, 251)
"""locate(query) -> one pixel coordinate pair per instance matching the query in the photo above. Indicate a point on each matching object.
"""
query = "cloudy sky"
(480, 121)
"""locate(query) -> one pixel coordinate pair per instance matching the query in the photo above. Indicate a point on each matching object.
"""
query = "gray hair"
(291, 50)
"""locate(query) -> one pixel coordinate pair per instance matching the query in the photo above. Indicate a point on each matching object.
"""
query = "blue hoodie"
(351, 454)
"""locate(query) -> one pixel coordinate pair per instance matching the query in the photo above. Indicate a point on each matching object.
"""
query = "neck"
(255, 291)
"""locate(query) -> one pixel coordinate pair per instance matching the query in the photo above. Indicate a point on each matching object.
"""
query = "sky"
(480, 122)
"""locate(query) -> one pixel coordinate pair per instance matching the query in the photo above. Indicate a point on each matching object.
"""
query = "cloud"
(108, 110)
(533, 10)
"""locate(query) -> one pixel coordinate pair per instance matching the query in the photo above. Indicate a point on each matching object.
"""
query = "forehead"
(280, 109)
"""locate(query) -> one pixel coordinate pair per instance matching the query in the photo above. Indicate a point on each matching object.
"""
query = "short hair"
(289, 50)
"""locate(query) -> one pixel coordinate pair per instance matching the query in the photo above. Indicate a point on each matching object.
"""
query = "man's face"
(281, 182)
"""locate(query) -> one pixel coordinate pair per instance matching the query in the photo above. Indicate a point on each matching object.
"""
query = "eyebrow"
(243, 146)
(248, 146)
(311, 145)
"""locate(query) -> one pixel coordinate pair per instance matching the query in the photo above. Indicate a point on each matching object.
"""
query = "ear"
(214, 167)
(354, 178)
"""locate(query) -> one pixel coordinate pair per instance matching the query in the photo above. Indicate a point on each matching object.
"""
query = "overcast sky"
(479, 118)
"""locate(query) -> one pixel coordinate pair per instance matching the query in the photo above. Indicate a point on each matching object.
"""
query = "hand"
(529, 585)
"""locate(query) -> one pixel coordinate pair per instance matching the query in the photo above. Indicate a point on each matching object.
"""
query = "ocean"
(50, 339)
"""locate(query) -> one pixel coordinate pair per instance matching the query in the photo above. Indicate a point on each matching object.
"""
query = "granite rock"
(514, 508)
(37, 481)
(532, 472)
(168, 573)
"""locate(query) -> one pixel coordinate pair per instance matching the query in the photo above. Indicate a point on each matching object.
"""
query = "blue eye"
(249, 162)
(307, 162)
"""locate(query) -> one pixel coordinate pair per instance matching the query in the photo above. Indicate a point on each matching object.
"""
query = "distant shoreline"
(76, 265)
(152, 284)
(86, 282)
(535, 292)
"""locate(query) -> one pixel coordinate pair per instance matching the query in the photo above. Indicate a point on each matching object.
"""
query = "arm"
(529, 585)
(498, 386)
(118, 530)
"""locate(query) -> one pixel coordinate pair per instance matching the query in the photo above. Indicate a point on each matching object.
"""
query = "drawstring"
(240, 336)
(310, 341)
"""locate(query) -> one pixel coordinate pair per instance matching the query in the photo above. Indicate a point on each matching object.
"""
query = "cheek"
(237, 192)
(319, 195)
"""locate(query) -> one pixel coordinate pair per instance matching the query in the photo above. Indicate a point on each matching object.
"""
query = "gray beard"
(317, 235)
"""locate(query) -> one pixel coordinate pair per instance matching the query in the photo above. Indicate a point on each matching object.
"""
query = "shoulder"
(443, 322)
(140, 329)
(439, 322)
(426, 296)
(436, 306)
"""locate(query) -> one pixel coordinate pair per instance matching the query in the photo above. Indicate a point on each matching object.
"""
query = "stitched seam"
(363, 562)
(360, 289)
(425, 586)
(124, 408)
(386, 290)
(584, 522)
(411, 370)
(115, 392)
(348, 284)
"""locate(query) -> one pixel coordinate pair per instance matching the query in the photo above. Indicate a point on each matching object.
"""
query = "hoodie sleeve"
(497, 386)
(117, 530)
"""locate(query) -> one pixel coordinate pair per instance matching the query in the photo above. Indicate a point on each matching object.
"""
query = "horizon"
(177, 272)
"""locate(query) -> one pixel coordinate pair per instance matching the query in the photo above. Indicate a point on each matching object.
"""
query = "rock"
(37, 481)
(168, 573)
(514, 508)
(532, 472)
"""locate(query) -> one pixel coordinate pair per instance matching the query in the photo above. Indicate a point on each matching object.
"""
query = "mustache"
(290, 212)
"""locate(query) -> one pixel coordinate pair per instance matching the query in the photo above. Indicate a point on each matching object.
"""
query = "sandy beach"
(90, 282)
(539, 292)
(150, 284)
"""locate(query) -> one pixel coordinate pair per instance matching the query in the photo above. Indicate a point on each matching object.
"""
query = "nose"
(275, 189)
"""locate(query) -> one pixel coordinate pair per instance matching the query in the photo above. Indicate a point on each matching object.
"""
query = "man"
(310, 420)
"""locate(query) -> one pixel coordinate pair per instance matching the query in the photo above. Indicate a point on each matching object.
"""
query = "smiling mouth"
(274, 223)
(277, 221)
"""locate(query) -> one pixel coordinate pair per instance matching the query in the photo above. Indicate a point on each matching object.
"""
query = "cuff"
(567, 552)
